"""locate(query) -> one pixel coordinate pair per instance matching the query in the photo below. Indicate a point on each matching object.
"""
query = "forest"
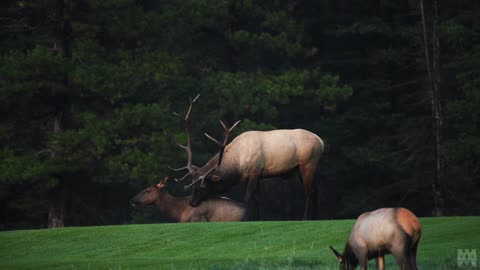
(88, 89)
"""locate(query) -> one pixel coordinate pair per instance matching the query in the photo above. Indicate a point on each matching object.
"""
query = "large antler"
(187, 147)
(228, 131)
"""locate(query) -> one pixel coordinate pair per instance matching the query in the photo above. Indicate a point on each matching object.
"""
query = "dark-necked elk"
(393, 231)
(253, 155)
(178, 209)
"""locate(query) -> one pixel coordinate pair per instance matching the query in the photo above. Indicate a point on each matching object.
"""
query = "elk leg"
(306, 176)
(252, 209)
(363, 263)
(251, 200)
(252, 183)
(362, 256)
(380, 260)
(401, 256)
(413, 257)
(306, 213)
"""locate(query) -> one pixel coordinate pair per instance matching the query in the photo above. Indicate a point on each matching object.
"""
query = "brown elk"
(178, 209)
(253, 155)
(393, 231)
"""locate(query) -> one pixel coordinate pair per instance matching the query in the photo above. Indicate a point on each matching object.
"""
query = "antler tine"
(195, 99)
(189, 109)
(234, 125)
(171, 138)
(177, 169)
(213, 139)
(201, 178)
(179, 145)
(191, 184)
(228, 131)
(179, 116)
(187, 147)
(183, 177)
(191, 104)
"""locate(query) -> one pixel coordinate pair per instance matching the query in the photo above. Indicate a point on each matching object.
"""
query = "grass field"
(248, 245)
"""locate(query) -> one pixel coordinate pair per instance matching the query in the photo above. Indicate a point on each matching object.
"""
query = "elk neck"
(227, 169)
(171, 206)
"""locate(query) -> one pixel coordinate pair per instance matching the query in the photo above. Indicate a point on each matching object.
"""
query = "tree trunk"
(437, 118)
(56, 211)
(437, 121)
(61, 37)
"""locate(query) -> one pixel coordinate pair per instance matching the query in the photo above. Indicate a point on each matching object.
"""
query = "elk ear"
(337, 254)
(162, 182)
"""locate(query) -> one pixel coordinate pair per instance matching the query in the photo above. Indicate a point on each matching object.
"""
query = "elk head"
(200, 191)
(209, 172)
(343, 264)
(149, 195)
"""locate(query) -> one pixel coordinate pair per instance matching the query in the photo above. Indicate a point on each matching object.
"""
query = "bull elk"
(178, 209)
(393, 231)
(250, 156)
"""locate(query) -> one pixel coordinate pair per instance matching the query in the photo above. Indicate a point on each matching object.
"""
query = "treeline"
(87, 89)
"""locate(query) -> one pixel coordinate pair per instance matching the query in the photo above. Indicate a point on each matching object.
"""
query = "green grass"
(248, 245)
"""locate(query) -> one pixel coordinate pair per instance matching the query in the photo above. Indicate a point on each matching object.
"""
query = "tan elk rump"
(178, 209)
(393, 231)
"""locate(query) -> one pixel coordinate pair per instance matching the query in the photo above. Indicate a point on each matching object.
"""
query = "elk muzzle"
(194, 202)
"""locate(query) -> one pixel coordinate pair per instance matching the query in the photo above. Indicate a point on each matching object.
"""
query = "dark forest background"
(87, 88)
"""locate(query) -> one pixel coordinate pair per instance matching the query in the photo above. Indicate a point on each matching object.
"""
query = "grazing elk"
(211, 210)
(393, 231)
(253, 155)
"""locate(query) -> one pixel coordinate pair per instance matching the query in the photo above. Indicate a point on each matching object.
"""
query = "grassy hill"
(248, 245)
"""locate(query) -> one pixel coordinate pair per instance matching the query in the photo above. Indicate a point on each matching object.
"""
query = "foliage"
(462, 149)
(90, 119)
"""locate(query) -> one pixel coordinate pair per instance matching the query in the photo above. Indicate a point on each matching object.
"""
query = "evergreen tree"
(88, 87)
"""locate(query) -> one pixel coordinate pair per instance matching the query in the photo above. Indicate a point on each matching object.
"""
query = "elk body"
(178, 209)
(253, 155)
(393, 231)
(260, 154)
